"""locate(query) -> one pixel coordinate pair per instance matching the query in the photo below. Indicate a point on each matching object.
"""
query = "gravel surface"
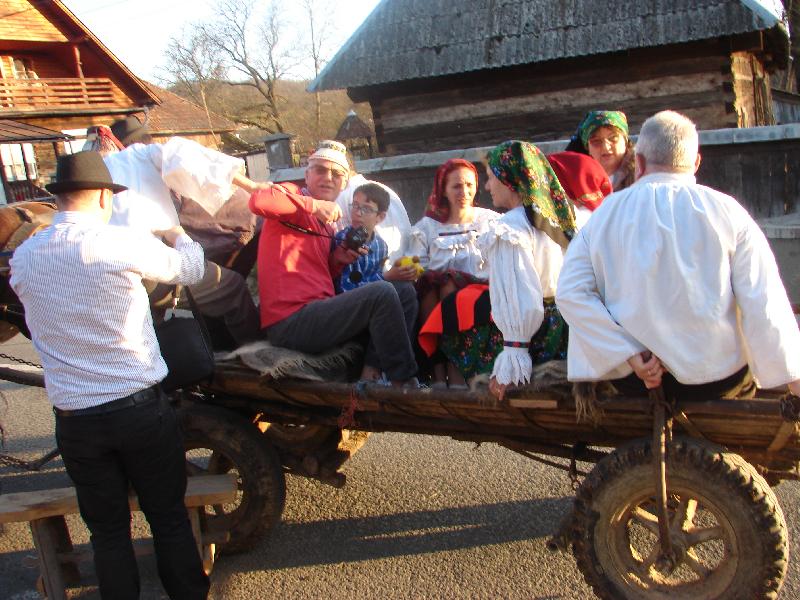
(419, 517)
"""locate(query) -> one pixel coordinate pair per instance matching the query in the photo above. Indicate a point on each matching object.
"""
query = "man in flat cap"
(80, 281)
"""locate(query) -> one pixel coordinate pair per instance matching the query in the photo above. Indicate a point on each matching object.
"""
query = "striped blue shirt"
(366, 269)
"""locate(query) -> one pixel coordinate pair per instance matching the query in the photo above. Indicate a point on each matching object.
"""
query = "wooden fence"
(36, 94)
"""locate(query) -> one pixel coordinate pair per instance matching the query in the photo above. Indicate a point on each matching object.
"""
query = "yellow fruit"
(410, 261)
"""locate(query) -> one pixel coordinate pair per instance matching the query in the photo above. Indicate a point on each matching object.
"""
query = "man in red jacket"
(297, 262)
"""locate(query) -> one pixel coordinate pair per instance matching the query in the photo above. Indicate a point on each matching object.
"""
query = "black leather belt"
(140, 398)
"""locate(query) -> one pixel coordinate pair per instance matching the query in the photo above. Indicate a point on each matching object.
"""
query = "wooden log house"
(55, 73)
(441, 75)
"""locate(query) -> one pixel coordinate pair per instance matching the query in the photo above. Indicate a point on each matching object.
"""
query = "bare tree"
(256, 51)
(195, 67)
(239, 47)
(319, 23)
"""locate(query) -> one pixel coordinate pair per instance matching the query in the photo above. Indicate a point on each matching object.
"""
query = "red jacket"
(293, 266)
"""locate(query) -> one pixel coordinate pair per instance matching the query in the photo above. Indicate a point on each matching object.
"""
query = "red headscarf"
(438, 207)
(582, 177)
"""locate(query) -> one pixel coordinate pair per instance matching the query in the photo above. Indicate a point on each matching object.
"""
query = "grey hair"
(669, 140)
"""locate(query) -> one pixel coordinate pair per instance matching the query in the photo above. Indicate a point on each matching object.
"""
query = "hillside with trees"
(243, 65)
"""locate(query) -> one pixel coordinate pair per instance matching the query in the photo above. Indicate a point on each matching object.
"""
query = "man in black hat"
(159, 198)
(80, 281)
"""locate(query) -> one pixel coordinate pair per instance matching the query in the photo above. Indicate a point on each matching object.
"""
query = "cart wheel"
(297, 437)
(727, 529)
(219, 441)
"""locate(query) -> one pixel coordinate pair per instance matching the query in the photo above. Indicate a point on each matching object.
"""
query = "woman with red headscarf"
(445, 240)
(504, 328)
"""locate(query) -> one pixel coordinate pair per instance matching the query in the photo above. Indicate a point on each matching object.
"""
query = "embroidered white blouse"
(683, 271)
(523, 264)
(442, 246)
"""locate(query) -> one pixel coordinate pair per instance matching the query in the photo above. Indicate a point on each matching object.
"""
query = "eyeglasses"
(322, 171)
(363, 209)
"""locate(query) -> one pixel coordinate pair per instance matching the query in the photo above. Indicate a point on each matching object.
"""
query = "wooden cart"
(678, 503)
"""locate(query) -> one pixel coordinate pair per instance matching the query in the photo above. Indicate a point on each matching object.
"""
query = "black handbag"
(186, 347)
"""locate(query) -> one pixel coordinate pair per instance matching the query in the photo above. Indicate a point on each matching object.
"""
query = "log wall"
(714, 84)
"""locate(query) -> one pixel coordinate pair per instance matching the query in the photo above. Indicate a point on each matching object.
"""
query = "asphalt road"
(420, 517)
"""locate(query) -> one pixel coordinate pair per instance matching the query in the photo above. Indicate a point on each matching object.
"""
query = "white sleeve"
(417, 244)
(598, 347)
(156, 261)
(395, 228)
(768, 323)
(516, 296)
(199, 173)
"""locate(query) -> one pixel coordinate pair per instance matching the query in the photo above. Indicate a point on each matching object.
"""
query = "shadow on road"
(358, 539)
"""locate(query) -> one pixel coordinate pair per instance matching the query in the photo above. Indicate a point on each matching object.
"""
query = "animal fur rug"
(278, 363)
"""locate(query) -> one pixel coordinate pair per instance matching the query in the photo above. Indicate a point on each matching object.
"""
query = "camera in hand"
(355, 238)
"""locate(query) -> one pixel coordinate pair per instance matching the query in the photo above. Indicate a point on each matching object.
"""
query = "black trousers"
(385, 311)
(140, 446)
(739, 385)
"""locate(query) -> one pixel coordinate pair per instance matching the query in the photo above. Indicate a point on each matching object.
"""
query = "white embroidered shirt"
(682, 270)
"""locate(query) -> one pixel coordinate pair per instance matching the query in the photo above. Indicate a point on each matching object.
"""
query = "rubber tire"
(745, 498)
(263, 483)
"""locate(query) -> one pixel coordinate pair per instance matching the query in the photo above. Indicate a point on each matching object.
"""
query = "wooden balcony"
(64, 93)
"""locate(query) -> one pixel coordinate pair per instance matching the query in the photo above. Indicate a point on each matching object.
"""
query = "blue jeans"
(139, 446)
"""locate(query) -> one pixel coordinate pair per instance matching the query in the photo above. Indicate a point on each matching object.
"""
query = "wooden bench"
(44, 510)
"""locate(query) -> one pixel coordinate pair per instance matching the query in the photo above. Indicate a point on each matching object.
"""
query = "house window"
(76, 145)
(14, 157)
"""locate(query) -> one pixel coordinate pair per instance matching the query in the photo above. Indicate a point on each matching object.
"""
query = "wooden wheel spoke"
(684, 514)
(701, 535)
(651, 558)
(646, 519)
(695, 565)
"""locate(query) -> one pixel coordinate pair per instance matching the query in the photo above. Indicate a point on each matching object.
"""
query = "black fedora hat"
(129, 130)
(82, 171)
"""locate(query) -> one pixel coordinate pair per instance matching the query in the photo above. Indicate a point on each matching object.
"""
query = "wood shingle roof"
(413, 39)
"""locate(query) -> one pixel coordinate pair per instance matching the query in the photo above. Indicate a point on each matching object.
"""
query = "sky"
(137, 31)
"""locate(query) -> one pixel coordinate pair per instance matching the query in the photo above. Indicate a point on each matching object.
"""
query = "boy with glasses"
(370, 203)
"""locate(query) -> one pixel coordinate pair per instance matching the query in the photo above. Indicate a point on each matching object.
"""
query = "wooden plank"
(42, 532)
(614, 94)
(540, 404)
(28, 506)
(547, 124)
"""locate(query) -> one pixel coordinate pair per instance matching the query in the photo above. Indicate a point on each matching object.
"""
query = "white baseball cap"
(332, 151)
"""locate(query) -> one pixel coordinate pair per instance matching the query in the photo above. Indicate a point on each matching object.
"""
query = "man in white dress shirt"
(673, 283)
(80, 281)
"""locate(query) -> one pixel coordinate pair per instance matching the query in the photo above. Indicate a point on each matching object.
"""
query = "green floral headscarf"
(524, 169)
(602, 118)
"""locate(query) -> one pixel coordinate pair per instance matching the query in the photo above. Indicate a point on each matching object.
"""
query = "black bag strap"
(198, 316)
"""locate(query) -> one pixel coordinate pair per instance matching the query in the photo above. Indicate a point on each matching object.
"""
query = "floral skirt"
(473, 351)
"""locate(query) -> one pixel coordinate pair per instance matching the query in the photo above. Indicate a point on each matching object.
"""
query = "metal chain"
(25, 465)
(21, 361)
